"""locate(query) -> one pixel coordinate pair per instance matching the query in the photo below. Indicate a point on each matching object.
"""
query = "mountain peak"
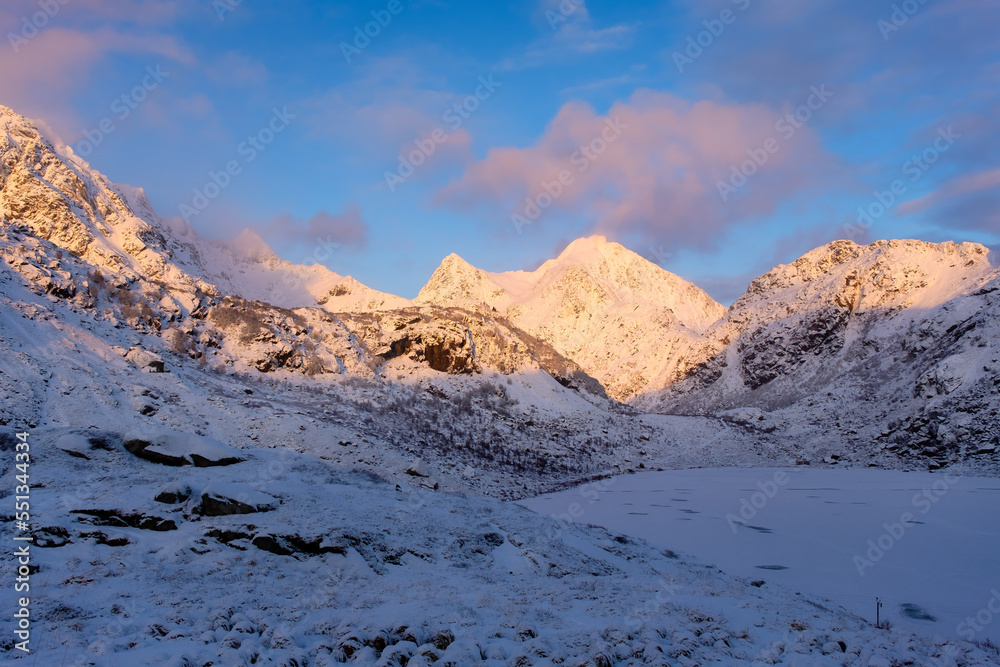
(595, 297)
(454, 281)
(454, 262)
(10, 114)
(587, 248)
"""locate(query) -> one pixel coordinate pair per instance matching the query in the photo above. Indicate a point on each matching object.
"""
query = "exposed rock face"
(442, 343)
(62, 200)
(459, 341)
(620, 317)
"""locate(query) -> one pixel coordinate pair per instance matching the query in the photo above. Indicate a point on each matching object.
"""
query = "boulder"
(224, 499)
(122, 519)
(74, 445)
(180, 449)
(173, 494)
(145, 360)
(51, 536)
(418, 469)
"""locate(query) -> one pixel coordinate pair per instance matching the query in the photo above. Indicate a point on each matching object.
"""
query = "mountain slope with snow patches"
(892, 346)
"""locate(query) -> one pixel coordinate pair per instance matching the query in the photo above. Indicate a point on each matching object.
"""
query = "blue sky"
(716, 138)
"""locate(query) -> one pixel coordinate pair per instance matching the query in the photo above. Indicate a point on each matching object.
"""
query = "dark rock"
(51, 536)
(494, 539)
(102, 538)
(181, 449)
(118, 518)
(226, 500)
(173, 495)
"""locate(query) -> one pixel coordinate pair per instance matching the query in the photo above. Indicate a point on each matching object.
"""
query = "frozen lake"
(927, 544)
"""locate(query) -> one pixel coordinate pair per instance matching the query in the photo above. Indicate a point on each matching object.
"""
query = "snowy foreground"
(927, 544)
(332, 566)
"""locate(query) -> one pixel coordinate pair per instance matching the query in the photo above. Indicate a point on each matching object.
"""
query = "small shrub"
(176, 341)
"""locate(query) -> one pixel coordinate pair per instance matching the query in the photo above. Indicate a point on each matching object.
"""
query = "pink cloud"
(652, 166)
(963, 186)
(45, 70)
(346, 229)
(135, 12)
(394, 110)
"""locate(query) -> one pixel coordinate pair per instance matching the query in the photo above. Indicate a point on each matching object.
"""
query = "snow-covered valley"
(235, 460)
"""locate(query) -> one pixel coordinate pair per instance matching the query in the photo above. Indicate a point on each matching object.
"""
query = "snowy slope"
(72, 234)
(335, 563)
(616, 314)
(249, 268)
(340, 567)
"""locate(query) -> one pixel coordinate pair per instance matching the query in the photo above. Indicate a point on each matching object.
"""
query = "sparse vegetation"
(249, 321)
(134, 308)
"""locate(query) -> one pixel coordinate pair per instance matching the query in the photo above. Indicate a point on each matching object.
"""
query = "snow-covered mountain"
(889, 348)
(69, 231)
(62, 199)
(893, 343)
(619, 316)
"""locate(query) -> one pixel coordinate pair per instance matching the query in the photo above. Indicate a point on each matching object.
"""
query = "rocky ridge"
(891, 346)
